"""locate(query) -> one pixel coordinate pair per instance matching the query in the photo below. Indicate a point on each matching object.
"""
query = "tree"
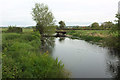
(107, 24)
(62, 24)
(116, 29)
(94, 25)
(43, 17)
(118, 21)
(117, 16)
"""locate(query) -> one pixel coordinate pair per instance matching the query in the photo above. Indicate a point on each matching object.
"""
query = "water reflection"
(47, 44)
(61, 39)
(114, 64)
(76, 49)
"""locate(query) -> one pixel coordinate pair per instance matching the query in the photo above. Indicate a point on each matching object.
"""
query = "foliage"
(22, 58)
(117, 16)
(90, 32)
(113, 41)
(71, 32)
(62, 24)
(43, 17)
(25, 30)
(49, 30)
(107, 24)
(88, 37)
(96, 36)
(94, 25)
(114, 30)
(14, 29)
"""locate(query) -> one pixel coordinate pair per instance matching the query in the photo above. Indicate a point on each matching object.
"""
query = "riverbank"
(92, 36)
(21, 57)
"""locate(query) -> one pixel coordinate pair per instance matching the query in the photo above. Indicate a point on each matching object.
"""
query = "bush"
(113, 42)
(10, 68)
(14, 29)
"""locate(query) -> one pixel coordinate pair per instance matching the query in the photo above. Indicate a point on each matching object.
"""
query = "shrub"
(14, 29)
(10, 68)
(113, 42)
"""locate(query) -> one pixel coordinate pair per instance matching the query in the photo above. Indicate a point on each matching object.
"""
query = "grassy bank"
(22, 58)
(108, 38)
(93, 36)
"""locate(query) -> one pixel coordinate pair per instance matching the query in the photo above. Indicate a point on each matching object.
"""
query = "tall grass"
(108, 38)
(88, 35)
(22, 58)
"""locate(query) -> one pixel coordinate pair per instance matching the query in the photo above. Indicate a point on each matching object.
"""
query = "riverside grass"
(105, 38)
(94, 36)
(21, 58)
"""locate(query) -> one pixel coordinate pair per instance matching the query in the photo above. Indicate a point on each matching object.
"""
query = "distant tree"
(94, 25)
(43, 17)
(14, 29)
(62, 24)
(107, 24)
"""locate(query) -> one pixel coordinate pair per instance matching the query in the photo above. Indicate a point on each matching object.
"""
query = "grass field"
(27, 29)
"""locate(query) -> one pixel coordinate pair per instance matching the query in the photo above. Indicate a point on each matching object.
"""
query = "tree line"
(105, 25)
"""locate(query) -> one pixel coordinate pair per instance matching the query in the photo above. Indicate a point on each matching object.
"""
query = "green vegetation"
(44, 19)
(107, 25)
(109, 38)
(95, 24)
(113, 41)
(96, 36)
(62, 25)
(22, 58)
(27, 30)
(21, 51)
(14, 29)
(3, 29)
(108, 34)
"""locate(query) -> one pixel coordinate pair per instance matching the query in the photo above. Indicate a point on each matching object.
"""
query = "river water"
(85, 60)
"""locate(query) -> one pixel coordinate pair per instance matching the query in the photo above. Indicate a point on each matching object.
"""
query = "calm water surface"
(82, 59)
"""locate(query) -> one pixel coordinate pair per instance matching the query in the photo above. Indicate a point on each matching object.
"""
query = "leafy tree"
(94, 25)
(118, 25)
(107, 24)
(44, 18)
(117, 16)
(118, 21)
(62, 24)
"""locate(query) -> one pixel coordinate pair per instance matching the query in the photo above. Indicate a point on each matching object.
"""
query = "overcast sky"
(73, 12)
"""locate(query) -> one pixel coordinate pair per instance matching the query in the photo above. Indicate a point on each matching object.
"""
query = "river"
(85, 60)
